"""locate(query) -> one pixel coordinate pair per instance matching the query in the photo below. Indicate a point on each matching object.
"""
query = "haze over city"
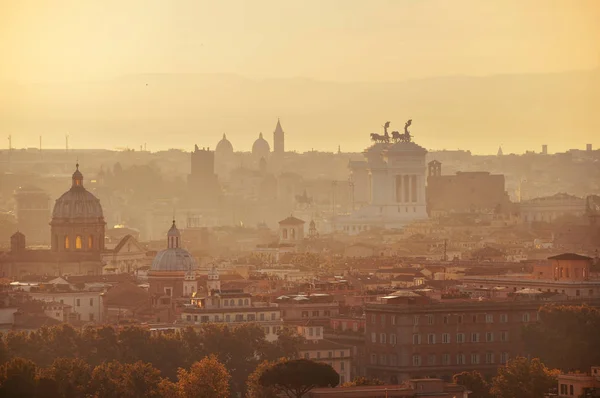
(300, 199)
(120, 74)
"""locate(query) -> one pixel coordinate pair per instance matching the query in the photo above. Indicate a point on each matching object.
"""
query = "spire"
(224, 136)
(260, 137)
(173, 237)
(500, 151)
(278, 128)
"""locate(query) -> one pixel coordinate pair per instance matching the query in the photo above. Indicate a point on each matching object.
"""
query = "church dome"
(224, 146)
(174, 258)
(261, 147)
(77, 203)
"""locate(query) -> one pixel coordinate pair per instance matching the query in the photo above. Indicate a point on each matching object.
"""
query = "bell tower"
(278, 140)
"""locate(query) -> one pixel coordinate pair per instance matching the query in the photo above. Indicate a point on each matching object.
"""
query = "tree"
(253, 387)
(297, 377)
(565, 337)
(207, 378)
(523, 378)
(72, 377)
(474, 382)
(18, 378)
(363, 381)
(114, 379)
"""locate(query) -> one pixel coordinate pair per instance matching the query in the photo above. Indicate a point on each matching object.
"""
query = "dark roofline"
(570, 256)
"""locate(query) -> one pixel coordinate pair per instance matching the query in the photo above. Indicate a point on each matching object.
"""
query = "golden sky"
(342, 40)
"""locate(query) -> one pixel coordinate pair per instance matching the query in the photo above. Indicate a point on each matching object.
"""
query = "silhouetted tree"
(297, 377)
(71, 375)
(565, 337)
(253, 387)
(18, 378)
(475, 382)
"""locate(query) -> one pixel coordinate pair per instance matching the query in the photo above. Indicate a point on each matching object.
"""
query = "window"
(306, 355)
(78, 243)
(382, 338)
(489, 357)
(393, 359)
(373, 359)
(526, 317)
(416, 360)
(489, 337)
(251, 317)
(474, 318)
(168, 291)
(460, 337)
(239, 318)
(459, 319)
(373, 318)
(310, 332)
(315, 313)
(261, 316)
(304, 314)
(227, 318)
(273, 316)
(284, 233)
(571, 389)
(240, 302)
(204, 319)
(446, 319)
(430, 319)
(446, 359)
(90, 242)
(195, 318)
(326, 313)
(503, 318)
(91, 302)
(188, 318)
(474, 337)
(504, 336)
(342, 365)
(474, 358)
(504, 357)
(431, 338)
(246, 302)
(416, 339)
(446, 338)
(489, 318)
(373, 337)
(460, 359)
(226, 302)
(393, 317)
(392, 338)
(383, 319)
(382, 359)
(67, 243)
(563, 389)
(317, 331)
(416, 320)
(431, 359)
(91, 317)
(78, 302)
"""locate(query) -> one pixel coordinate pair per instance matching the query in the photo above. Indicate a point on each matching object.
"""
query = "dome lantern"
(77, 177)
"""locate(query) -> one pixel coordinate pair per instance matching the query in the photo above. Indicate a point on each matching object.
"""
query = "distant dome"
(78, 203)
(174, 259)
(224, 146)
(261, 148)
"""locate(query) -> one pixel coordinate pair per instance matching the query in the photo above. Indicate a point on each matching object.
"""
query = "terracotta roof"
(291, 220)
(569, 256)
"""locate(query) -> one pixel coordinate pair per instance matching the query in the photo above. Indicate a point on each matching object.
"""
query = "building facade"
(33, 214)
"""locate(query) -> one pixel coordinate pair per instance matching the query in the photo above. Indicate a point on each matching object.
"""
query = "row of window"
(446, 338)
(447, 319)
(78, 302)
(228, 318)
(316, 331)
(342, 354)
(474, 358)
(78, 242)
(315, 313)
(240, 302)
(268, 329)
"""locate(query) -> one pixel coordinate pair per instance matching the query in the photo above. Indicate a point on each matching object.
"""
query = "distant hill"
(478, 113)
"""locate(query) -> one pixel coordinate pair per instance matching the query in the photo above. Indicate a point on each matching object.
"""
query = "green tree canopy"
(523, 378)
(299, 376)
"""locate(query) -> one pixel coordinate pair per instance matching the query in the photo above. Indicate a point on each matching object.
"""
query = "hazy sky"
(350, 40)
